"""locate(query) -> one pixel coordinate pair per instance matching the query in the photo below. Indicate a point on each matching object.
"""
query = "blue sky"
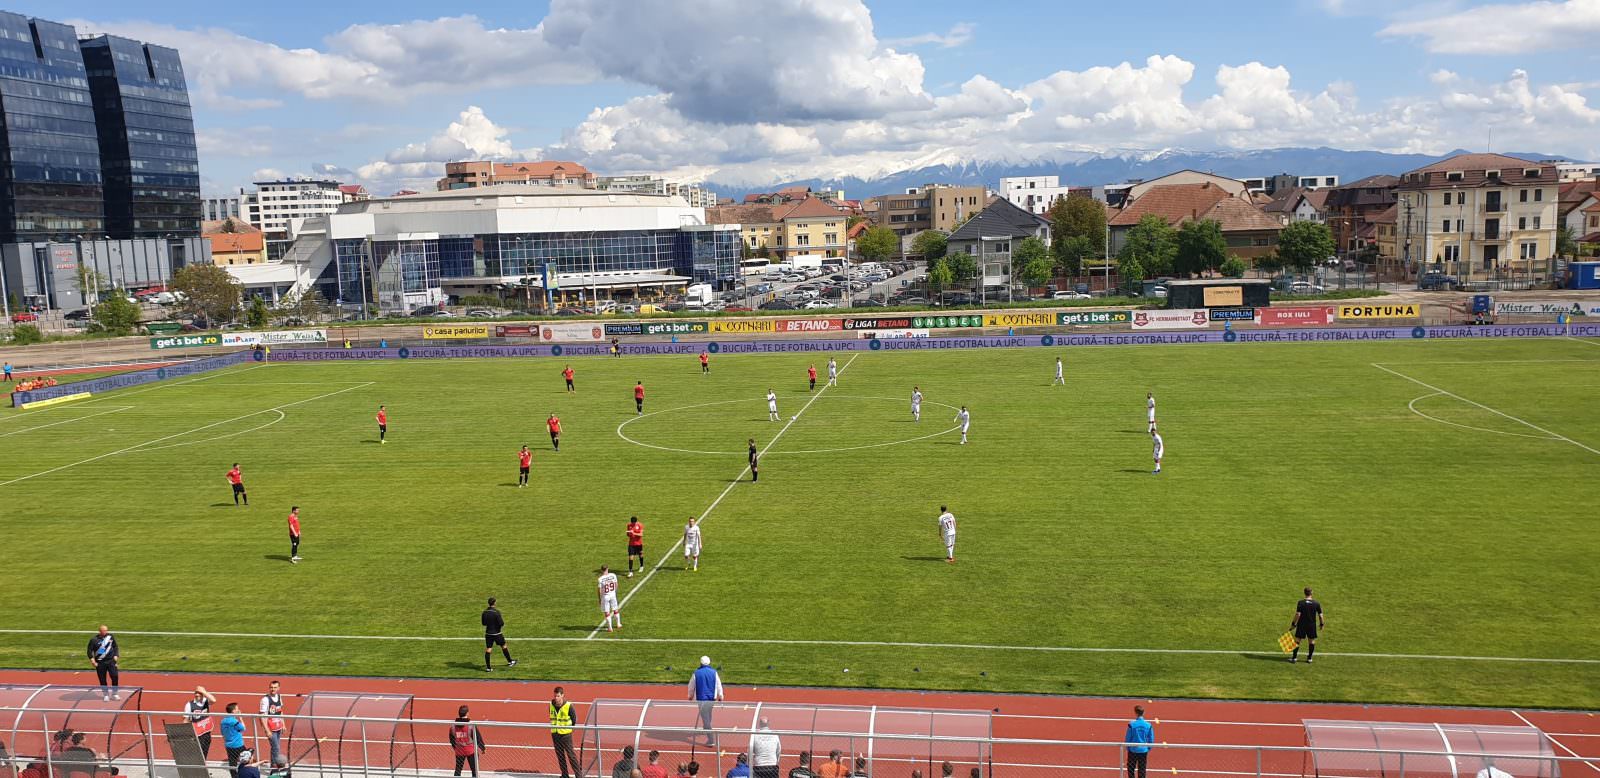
(756, 92)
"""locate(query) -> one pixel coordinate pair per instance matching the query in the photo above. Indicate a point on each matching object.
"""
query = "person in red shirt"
(383, 424)
(554, 424)
(294, 535)
(654, 769)
(237, 479)
(524, 461)
(638, 398)
(705, 367)
(811, 373)
(635, 544)
(567, 374)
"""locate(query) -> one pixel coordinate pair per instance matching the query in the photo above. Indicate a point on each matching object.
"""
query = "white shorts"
(608, 603)
(772, 407)
(949, 541)
(916, 407)
(1152, 414)
(691, 549)
(964, 429)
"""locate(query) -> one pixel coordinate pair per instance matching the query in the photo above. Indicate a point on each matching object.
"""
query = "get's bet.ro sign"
(186, 341)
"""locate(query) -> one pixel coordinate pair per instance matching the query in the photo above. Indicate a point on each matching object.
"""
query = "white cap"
(245, 756)
(705, 660)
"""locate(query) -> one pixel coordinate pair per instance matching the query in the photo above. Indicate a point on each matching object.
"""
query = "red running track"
(1098, 719)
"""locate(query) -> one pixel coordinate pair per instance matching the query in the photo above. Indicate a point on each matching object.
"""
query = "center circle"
(622, 433)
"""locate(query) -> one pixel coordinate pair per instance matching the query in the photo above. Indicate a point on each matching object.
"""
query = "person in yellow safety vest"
(561, 734)
(272, 715)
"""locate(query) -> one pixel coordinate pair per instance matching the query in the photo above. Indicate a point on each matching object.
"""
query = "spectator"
(976, 773)
(233, 736)
(835, 767)
(104, 657)
(35, 770)
(683, 770)
(861, 768)
(466, 741)
(272, 716)
(946, 770)
(803, 770)
(654, 769)
(198, 713)
(61, 740)
(77, 759)
(1140, 735)
(765, 750)
(705, 687)
(694, 768)
(741, 767)
(624, 766)
(247, 765)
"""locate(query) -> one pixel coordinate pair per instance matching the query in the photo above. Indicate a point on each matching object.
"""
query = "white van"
(698, 295)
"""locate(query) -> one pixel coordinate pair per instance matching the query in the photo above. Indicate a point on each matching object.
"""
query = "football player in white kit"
(947, 528)
(1060, 379)
(772, 405)
(1150, 410)
(833, 372)
(965, 420)
(607, 587)
(916, 404)
(1157, 446)
(691, 545)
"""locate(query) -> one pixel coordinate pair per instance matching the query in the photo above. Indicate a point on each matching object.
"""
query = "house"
(1298, 205)
(812, 230)
(759, 227)
(354, 193)
(991, 235)
(1348, 209)
(1250, 232)
(465, 175)
(1386, 236)
(235, 242)
(852, 233)
(1230, 185)
(1574, 198)
(1480, 216)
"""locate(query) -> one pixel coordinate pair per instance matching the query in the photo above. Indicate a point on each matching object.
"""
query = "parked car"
(772, 276)
(23, 316)
(426, 310)
(838, 278)
(1158, 291)
(1438, 282)
(570, 312)
(82, 314)
(818, 304)
(865, 302)
(716, 305)
(294, 321)
(909, 300)
(778, 305)
(732, 308)
(480, 313)
(1066, 295)
(1304, 287)
(794, 278)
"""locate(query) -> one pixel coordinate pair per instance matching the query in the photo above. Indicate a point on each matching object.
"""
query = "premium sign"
(737, 326)
(674, 327)
(1547, 308)
(550, 333)
(1400, 311)
(1223, 296)
(1174, 319)
(455, 332)
(1232, 314)
(630, 328)
(514, 330)
(186, 341)
(810, 325)
(1320, 315)
(883, 324)
(1019, 319)
(1094, 317)
(946, 322)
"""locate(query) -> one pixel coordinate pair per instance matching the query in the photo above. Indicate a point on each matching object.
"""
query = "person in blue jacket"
(1140, 735)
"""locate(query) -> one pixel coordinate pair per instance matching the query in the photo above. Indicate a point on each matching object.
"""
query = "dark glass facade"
(50, 172)
(146, 135)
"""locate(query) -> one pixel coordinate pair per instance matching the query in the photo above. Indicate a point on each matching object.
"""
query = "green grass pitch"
(1428, 525)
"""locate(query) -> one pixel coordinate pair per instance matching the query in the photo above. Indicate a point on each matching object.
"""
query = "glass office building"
(50, 173)
(146, 134)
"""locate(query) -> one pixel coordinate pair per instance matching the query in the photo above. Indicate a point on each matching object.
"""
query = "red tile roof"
(237, 242)
(809, 208)
(741, 214)
(1173, 202)
(1237, 215)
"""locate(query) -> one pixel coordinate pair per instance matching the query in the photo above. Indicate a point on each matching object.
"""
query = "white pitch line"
(1581, 340)
(1553, 740)
(1502, 414)
(854, 643)
(1413, 406)
(138, 446)
(68, 421)
(714, 503)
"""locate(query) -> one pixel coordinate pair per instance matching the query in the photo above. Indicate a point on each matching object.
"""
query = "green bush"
(1233, 267)
(25, 334)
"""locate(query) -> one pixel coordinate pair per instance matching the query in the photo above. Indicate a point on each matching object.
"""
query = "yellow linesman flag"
(1287, 643)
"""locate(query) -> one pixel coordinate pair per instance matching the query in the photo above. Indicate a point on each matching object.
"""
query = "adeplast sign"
(1175, 319)
(1314, 316)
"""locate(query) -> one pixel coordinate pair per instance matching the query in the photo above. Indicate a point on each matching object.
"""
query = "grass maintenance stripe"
(857, 643)
(714, 503)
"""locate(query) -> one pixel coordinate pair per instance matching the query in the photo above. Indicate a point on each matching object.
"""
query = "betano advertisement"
(810, 325)
(1174, 319)
(1319, 316)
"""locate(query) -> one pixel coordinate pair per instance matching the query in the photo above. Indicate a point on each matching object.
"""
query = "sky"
(753, 92)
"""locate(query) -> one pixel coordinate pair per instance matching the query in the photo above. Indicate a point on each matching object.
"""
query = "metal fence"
(367, 747)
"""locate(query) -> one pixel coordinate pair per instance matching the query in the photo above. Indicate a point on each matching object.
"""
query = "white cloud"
(960, 34)
(473, 135)
(1511, 28)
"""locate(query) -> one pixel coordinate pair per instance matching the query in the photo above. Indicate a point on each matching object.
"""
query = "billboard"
(891, 334)
(1223, 296)
(1172, 319)
(810, 325)
(736, 326)
(1094, 317)
(569, 333)
(946, 322)
(455, 331)
(673, 327)
(1019, 319)
(1232, 314)
(1547, 308)
(1392, 311)
(625, 328)
(1320, 315)
(186, 341)
(513, 330)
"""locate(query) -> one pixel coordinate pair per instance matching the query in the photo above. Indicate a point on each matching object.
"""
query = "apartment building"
(695, 195)
(1034, 194)
(465, 175)
(940, 207)
(1349, 210)
(759, 227)
(1479, 215)
(275, 204)
(1272, 185)
(812, 229)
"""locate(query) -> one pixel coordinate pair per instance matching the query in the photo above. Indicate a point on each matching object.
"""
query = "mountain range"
(1116, 168)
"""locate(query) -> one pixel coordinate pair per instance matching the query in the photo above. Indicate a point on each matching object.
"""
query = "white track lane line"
(1558, 743)
(138, 446)
(1528, 424)
(714, 503)
(853, 643)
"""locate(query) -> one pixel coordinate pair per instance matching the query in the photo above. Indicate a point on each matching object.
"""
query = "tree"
(930, 244)
(1131, 271)
(963, 267)
(1201, 247)
(1077, 231)
(1153, 243)
(256, 314)
(1303, 244)
(309, 306)
(1234, 267)
(116, 314)
(762, 252)
(1031, 262)
(1566, 242)
(877, 244)
(851, 221)
(939, 275)
(211, 294)
(1071, 253)
(89, 283)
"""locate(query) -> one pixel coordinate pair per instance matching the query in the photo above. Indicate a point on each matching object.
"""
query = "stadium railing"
(524, 748)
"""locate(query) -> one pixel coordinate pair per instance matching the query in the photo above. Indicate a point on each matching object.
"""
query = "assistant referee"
(1306, 623)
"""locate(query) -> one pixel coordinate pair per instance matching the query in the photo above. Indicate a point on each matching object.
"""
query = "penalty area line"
(850, 643)
(714, 503)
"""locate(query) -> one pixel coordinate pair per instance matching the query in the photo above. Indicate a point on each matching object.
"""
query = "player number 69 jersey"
(608, 592)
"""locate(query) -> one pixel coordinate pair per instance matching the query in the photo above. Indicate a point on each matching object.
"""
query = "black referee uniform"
(494, 634)
(755, 462)
(1306, 623)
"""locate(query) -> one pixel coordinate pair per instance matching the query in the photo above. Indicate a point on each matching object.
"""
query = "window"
(1446, 227)
(1531, 172)
(1459, 224)
(1530, 249)
(1522, 195)
(1454, 175)
(1492, 175)
(1446, 198)
(830, 238)
(1538, 195)
(1594, 221)
(1536, 221)
(803, 239)
(1522, 222)
(1452, 253)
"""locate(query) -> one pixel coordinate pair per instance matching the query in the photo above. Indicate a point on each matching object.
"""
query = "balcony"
(1492, 208)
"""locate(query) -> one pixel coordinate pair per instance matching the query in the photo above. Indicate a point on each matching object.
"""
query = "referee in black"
(494, 626)
(1306, 623)
(755, 462)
